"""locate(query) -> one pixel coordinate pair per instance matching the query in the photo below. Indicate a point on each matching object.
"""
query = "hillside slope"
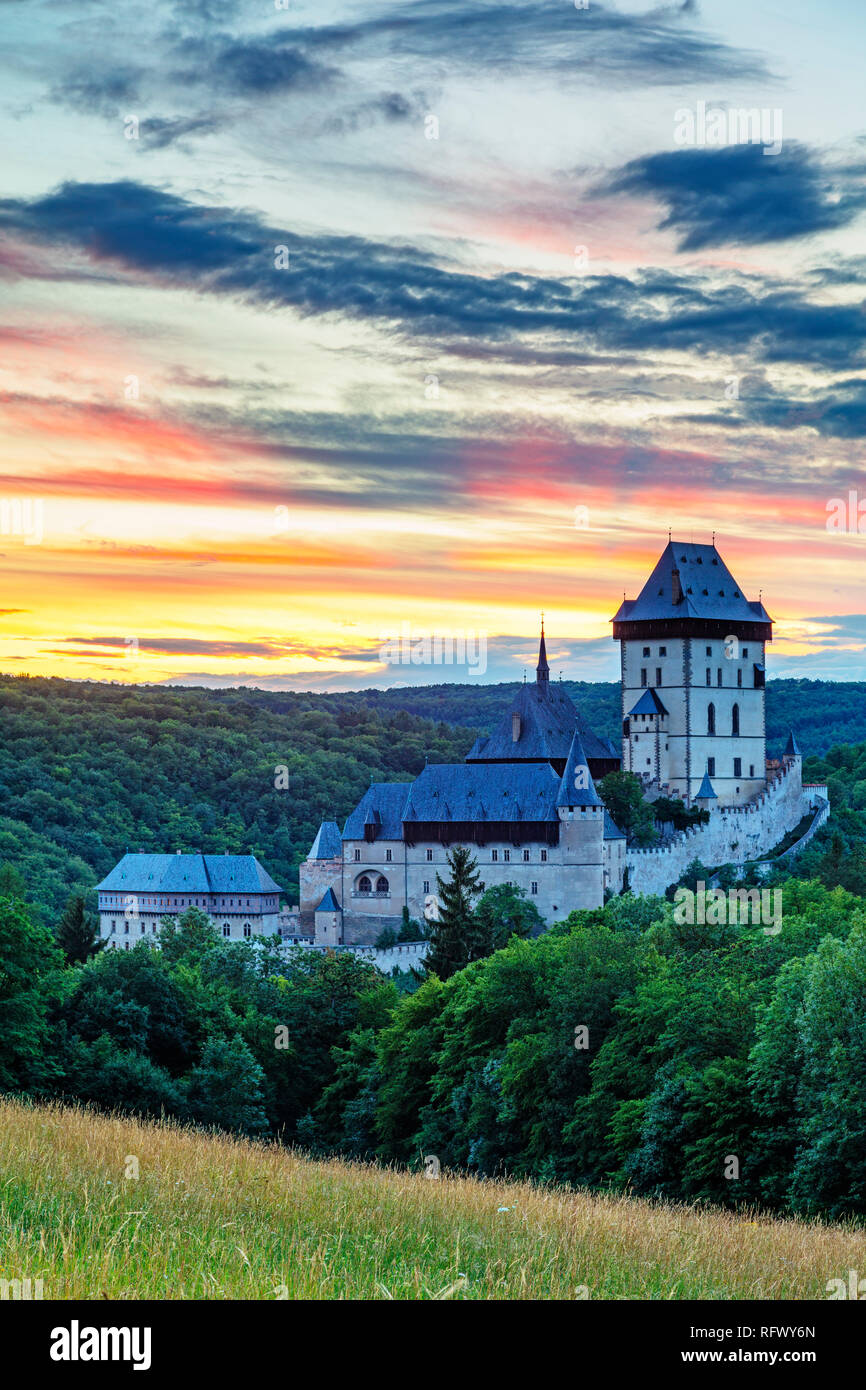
(216, 1218)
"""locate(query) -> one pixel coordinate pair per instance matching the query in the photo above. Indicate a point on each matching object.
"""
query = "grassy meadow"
(218, 1218)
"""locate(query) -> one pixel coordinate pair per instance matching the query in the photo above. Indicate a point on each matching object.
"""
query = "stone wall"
(734, 834)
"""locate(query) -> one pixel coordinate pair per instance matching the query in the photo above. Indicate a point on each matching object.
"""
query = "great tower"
(692, 650)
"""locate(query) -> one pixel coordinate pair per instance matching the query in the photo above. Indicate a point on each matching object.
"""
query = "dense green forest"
(619, 1049)
(88, 769)
(699, 1044)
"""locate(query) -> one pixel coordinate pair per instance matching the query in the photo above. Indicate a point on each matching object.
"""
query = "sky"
(343, 338)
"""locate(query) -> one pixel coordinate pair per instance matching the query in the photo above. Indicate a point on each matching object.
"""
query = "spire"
(706, 791)
(576, 787)
(792, 748)
(542, 670)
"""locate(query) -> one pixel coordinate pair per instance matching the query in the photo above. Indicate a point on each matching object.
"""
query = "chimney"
(515, 728)
(676, 587)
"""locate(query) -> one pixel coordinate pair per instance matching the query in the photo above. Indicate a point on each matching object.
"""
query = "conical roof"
(576, 787)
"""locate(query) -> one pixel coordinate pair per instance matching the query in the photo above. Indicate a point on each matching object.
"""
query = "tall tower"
(692, 661)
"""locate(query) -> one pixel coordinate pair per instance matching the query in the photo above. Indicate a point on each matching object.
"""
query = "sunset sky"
(421, 313)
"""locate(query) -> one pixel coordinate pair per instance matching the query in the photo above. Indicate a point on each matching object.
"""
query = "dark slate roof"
(329, 903)
(327, 844)
(484, 792)
(189, 873)
(611, 830)
(577, 787)
(548, 720)
(388, 800)
(649, 703)
(709, 590)
(792, 748)
(705, 790)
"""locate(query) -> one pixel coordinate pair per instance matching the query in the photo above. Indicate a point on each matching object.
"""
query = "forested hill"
(88, 769)
(823, 713)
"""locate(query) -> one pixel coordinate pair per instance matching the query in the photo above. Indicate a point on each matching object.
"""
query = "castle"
(692, 651)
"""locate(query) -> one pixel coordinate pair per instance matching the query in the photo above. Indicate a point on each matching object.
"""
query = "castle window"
(494, 855)
(526, 856)
(387, 856)
(719, 676)
(745, 652)
(711, 718)
(643, 675)
(663, 651)
(382, 884)
(429, 856)
(506, 855)
(709, 651)
(364, 884)
(759, 676)
(711, 767)
(735, 725)
(544, 856)
(533, 887)
(227, 931)
(426, 886)
(247, 929)
(738, 768)
(739, 677)
(646, 651)
(709, 676)
(357, 856)
(751, 769)
(658, 675)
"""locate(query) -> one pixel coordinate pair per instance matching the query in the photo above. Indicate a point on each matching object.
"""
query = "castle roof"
(705, 791)
(548, 720)
(327, 843)
(483, 792)
(649, 703)
(611, 829)
(385, 800)
(792, 748)
(576, 787)
(691, 581)
(329, 903)
(189, 873)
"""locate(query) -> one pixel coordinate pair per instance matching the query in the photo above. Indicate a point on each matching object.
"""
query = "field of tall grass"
(108, 1207)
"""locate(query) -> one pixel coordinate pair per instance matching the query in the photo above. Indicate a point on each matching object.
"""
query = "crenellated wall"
(734, 834)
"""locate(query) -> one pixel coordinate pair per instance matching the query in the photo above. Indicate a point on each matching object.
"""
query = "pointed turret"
(792, 748)
(576, 787)
(706, 791)
(542, 670)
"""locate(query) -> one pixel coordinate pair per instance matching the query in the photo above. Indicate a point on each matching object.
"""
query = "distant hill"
(822, 712)
(88, 769)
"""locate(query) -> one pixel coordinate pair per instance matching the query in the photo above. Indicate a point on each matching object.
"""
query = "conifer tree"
(78, 932)
(454, 936)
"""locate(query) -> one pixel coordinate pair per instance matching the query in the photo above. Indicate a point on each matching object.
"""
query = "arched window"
(381, 884)
(735, 720)
(364, 884)
(711, 718)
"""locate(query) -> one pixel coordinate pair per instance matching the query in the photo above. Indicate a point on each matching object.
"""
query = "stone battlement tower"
(693, 673)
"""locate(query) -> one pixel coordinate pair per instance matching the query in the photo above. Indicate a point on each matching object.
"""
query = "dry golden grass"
(214, 1217)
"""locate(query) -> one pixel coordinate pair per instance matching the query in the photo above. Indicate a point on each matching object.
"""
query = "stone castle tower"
(692, 674)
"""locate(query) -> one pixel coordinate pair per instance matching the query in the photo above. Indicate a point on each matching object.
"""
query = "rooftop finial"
(542, 670)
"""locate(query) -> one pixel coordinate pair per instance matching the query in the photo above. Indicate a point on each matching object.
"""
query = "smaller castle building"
(236, 892)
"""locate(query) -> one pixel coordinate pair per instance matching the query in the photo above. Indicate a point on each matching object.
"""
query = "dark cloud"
(249, 67)
(100, 93)
(158, 132)
(142, 231)
(596, 44)
(738, 195)
(390, 107)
